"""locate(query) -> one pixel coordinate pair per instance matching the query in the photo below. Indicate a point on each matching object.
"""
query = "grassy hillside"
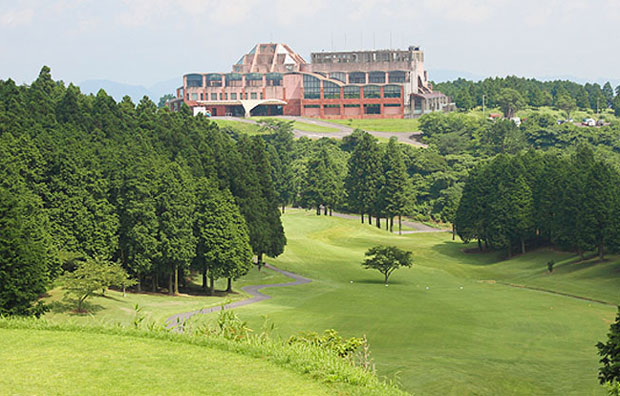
(449, 324)
(40, 358)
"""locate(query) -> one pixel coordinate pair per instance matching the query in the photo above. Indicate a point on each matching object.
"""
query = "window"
(194, 80)
(214, 80)
(392, 105)
(376, 77)
(233, 96)
(273, 79)
(391, 91)
(331, 90)
(246, 96)
(253, 95)
(331, 106)
(311, 106)
(396, 76)
(372, 109)
(351, 105)
(225, 96)
(357, 78)
(340, 76)
(372, 92)
(194, 96)
(221, 96)
(261, 95)
(351, 92)
(202, 96)
(188, 96)
(233, 80)
(213, 96)
(312, 87)
(253, 80)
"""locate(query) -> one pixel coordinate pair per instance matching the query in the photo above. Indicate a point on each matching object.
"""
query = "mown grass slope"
(449, 325)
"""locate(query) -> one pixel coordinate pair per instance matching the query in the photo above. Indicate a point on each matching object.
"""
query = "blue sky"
(147, 41)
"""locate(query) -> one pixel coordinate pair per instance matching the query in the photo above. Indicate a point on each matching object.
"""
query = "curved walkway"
(177, 320)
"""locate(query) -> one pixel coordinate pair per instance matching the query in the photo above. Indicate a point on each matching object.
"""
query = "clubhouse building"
(272, 79)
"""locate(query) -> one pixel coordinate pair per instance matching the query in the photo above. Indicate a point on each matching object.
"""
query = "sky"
(143, 42)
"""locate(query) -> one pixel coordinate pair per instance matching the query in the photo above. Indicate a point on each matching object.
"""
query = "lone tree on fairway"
(387, 259)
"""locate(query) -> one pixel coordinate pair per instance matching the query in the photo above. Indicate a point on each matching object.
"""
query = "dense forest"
(84, 178)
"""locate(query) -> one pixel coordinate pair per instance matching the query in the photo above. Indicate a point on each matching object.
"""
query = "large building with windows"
(272, 79)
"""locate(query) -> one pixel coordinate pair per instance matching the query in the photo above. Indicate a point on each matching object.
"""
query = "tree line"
(516, 202)
(83, 177)
(534, 93)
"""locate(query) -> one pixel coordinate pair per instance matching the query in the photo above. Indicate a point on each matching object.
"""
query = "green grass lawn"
(82, 363)
(156, 307)
(243, 127)
(381, 125)
(449, 325)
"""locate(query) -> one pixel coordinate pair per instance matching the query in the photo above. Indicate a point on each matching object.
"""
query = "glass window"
(392, 105)
(397, 76)
(372, 109)
(331, 90)
(188, 96)
(233, 80)
(202, 96)
(351, 92)
(376, 77)
(372, 92)
(214, 80)
(312, 87)
(311, 106)
(357, 78)
(246, 96)
(194, 96)
(221, 96)
(253, 95)
(391, 91)
(213, 96)
(253, 80)
(351, 105)
(340, 76)
(194, 80)
(331, 106)
(225, 96)
(233, 96)
(273, 79)
(261, 95)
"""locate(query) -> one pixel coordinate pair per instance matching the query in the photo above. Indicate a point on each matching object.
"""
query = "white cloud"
(16, 17)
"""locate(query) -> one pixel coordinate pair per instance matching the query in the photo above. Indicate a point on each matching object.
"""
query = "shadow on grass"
(456, 249)
(378, 282)
(69, 305)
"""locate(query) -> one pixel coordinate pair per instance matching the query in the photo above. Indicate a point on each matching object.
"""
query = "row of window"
(312, 90)
(376, 77)
(233, 79)
(368, 108)
(225, 96)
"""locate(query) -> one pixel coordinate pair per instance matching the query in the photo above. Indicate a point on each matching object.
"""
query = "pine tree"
(396, 188)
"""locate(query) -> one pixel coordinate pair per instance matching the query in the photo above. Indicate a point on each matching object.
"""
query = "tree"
(175, 208)
(222, 240)
(616, 105)
(608, 93)
(27, 259)
(510, 101)
(164, 99)
(609, 372)
(567, 103)
(396, 189)
(387, 259)
(362, 181)
(92, 275)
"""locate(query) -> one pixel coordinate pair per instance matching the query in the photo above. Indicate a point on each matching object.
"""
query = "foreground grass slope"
(45, 358)
(381, 125)
(449, 325)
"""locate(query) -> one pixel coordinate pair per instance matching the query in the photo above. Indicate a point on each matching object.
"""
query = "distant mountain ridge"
(117, 90)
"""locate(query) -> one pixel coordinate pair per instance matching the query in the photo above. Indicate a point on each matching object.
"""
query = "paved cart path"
(341, 130)
(176, 321)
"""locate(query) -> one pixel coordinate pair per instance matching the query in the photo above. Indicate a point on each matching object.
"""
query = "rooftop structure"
(272, 79)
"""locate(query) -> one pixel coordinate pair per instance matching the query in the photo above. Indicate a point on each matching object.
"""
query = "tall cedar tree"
(222, 241)
(395, 190)
(362, 181)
